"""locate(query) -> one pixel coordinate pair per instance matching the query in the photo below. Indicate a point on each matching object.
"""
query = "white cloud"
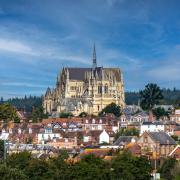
(15, 47)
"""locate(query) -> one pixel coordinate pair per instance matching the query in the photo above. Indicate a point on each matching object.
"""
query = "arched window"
(106, 89)
(99, 89)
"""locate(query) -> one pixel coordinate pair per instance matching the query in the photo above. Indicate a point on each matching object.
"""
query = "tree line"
(171, 96)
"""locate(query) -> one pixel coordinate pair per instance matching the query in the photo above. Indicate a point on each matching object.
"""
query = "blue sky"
(38, 37)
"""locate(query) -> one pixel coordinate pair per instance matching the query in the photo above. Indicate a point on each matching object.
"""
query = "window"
(73, 88)
(145, 139)
(106, 89)
(99, 89)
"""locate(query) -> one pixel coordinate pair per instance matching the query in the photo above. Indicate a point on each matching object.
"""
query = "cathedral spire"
(94, 57)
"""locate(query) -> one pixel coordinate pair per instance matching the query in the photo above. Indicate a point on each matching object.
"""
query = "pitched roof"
(123, 140)
(79, 73)
(162, 138)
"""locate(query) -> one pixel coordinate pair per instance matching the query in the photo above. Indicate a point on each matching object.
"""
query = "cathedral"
(85, 90)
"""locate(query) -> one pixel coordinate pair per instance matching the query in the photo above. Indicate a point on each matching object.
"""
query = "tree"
(165, 169)
(8, 113)
(38, 114)
(91, 167)
(83, 114)
(151, 95)
(160, 112)
(19, 160)
(65, 114)
(7, 173)
(111, 108)
(128, 167)
(38, 169)
(1, 149)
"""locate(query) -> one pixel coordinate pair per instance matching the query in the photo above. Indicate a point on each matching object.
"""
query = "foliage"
(19, 160)
(1, 149)
(83, 114)
(26, 103)
(124, 166)
(127, 167)
(165, 169)
(150, 96)
(171, 96)
(160, 112)
(7, 173)
(38, 114)
(91, 167)
(127, 132)
(8, 113)
(111, 108)
(65, 114)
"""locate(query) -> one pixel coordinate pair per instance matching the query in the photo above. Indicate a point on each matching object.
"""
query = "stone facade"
(85, 90)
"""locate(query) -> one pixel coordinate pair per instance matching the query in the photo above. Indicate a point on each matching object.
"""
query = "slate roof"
(162, 138)
(79, 73)
(123, 140)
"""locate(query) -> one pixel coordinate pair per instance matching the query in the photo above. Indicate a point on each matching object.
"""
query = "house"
(134, 148)
(175, 152)
(158, 142)
(49, 133)
(152, 127)
(91, 137)
(106, 137)
(124, 140)
(169, 127)
(177, 131)
(63, 143)
(108, 122)
(175, 116)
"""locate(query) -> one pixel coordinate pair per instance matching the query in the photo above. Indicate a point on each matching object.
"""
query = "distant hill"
(170, 97)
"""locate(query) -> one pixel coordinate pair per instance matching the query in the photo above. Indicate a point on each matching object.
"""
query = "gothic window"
(106, 89)
(99, 89)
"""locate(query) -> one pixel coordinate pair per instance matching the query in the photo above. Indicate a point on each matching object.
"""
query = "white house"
(152, 127)
(104, 137)
(48, 134)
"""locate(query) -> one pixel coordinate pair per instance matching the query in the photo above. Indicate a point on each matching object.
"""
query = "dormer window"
(100, 121)
(93, 121)
(86, 121)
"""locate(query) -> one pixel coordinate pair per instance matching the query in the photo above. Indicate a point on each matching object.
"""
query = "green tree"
(19, 160)
(7, 173)
(38, 169)
(111, 108)
(8, 113)
(167, 166)
(150, 96)
(128, 167)
(83, 114)
(91, 167)
(38, 114)
(65, 114)
(160, 112)
(1, 149)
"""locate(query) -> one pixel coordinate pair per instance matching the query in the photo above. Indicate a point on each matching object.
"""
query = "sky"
(39, 37)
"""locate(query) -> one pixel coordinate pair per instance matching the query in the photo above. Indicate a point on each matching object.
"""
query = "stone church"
(85, 90)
